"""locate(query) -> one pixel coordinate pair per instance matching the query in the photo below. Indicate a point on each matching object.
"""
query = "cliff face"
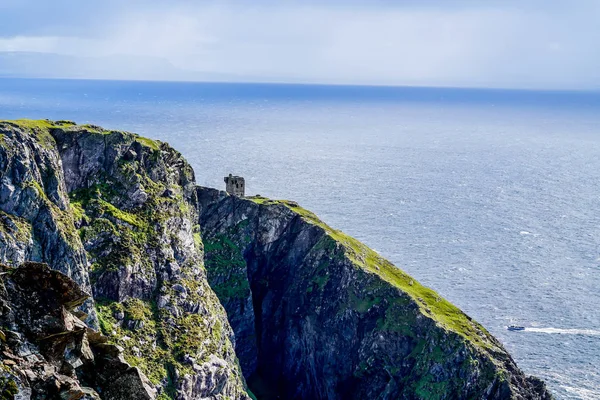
(318, 315)
(116, 213)
(35, 216)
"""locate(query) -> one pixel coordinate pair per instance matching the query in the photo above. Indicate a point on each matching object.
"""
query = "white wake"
(587, 332)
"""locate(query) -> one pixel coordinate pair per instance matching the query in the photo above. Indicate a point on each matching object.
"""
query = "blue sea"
(490, 197)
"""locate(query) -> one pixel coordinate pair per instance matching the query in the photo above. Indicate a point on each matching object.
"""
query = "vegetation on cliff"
(358, 326)
(430, 302)
(47, 352)
(127, 206)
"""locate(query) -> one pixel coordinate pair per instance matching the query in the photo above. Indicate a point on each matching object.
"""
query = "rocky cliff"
(116, 213)
(318, 315)
(174, 270)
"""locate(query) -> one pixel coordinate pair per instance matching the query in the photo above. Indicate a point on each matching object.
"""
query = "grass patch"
(63, 219)
(40, 129)
(430, 303)
(16, 227)
(226, 268)
(153, 144)
(8, 388)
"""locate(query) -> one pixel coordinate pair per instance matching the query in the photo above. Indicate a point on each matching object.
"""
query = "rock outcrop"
(318, 315)
(47, 352)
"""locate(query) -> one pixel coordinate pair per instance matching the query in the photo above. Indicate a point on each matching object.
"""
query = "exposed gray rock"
(143, 251)
(35, 215)
(91, 204)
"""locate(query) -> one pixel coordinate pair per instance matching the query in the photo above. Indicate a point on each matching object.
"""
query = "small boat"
(515, 328)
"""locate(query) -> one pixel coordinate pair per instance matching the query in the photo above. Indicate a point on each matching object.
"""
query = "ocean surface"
(490, 197)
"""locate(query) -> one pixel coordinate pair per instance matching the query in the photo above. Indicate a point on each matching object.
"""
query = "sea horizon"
(556, 90)
(488, 196)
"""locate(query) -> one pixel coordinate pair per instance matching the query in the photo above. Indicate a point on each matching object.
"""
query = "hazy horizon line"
(314, 83)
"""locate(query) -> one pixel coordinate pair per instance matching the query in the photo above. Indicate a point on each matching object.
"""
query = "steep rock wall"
(115, 212)
(35, 214)
(316, 314)
(331, 319)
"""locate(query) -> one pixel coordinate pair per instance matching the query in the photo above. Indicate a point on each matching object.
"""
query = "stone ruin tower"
(235, 185)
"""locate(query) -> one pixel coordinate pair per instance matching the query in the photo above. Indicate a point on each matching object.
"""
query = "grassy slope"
(431, 303)
(41, 128)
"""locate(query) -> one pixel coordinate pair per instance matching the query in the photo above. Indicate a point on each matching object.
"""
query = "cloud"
(46, 44)
(452, 43)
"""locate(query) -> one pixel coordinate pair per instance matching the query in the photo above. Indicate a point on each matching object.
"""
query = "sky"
(530, 44)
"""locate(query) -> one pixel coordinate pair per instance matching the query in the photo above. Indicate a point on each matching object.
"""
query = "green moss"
(431, 303)
(126, 234)
(78, 212)
(8, 388)
(40, 129)
(198, 240)
(396, 318)
(320, 274)
(103, 189)
(62, 218)
(95, 129)
(197, 237)
(261, 200)
(192, 332)
(153, 358)
(65, 123)
(321, 281)
(156, 342)
(121, 215)
(16, 227)
(137, 310)
(96, 228)
(38, 188)
(105, 319)
(30, 123)
(362, 305)
(426, 388)
(96, 197)
(226, 268)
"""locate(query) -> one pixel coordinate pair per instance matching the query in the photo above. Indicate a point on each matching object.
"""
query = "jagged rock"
(35, 216)
(48, 353)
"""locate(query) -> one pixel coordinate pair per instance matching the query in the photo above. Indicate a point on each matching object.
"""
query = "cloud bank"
(548, 45)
